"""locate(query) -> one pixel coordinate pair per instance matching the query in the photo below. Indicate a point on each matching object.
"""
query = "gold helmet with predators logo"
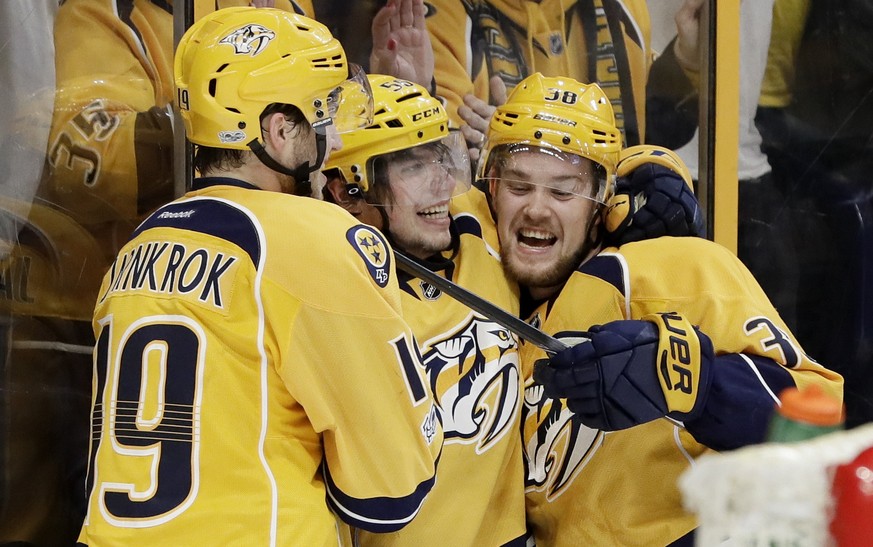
(556, 114)
(233, 63)
(406, 117)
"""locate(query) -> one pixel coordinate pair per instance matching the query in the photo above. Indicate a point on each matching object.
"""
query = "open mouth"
(435, 212)
(536, 238)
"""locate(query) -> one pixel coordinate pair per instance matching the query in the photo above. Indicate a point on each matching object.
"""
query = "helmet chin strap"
(302, 184)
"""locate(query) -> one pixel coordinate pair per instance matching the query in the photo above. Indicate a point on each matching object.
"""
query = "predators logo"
(474, 373)
(557, 446)
(249, 40)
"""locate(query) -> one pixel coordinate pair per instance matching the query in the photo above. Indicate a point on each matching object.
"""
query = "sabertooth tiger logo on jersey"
(557, 447)
(249, 40)
(372, 247)
(474, 373)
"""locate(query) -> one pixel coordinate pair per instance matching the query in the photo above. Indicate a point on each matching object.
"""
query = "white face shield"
(436, 170)
(410, 193)
(566, 176)
(350, 105)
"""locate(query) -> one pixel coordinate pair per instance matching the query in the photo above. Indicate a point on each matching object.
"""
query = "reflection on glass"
(816, 118)
(44, 371)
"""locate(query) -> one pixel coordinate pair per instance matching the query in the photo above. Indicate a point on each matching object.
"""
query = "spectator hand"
(653, 197)
(687, 44)
(476, 114)
(632, 372)
(401, 43)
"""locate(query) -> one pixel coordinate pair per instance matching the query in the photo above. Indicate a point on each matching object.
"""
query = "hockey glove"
(653, 197)
(632, 372)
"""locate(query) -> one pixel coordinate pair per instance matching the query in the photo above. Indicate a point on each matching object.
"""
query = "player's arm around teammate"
(677, 349)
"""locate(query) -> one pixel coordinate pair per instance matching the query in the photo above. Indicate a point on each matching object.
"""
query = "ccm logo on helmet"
(425, 113)
(249, 40)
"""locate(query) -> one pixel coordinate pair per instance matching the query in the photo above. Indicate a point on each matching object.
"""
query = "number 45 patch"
(371, 246)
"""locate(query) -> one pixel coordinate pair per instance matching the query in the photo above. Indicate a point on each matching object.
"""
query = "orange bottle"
(805, 414)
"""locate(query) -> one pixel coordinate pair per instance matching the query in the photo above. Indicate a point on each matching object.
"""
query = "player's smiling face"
(421, 189)
(545, 211)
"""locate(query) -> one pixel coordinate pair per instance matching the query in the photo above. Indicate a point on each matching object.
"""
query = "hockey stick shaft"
(476, 303)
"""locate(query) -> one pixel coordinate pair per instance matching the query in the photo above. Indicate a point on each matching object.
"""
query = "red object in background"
(852, 522)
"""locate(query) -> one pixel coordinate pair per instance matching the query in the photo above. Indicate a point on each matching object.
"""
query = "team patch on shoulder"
(374, 250)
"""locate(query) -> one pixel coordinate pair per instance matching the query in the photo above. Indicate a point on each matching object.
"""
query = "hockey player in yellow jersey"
(409, 174)
(254, 379)
(108, 163)
(111, 143)
(608, 425)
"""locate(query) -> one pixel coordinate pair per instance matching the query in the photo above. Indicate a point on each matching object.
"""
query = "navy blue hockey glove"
(653, 197)
(632, 372)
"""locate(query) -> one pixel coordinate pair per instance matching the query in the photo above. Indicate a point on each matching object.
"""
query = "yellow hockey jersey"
(253, 373)
(111, 141)
(472, 366)
(589, 487)
(54, 266)
(601, 41)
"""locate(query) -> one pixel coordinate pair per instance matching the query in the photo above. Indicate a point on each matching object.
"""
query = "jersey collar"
(205, 182)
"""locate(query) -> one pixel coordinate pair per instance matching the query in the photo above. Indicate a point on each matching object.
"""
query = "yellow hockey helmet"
(561, 114)
(231, 64)
(405, 116)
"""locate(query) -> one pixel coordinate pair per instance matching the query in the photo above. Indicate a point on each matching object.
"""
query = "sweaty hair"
(210, 159)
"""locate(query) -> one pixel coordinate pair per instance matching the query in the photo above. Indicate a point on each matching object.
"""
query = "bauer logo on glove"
(678, 360)
(631, 372)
